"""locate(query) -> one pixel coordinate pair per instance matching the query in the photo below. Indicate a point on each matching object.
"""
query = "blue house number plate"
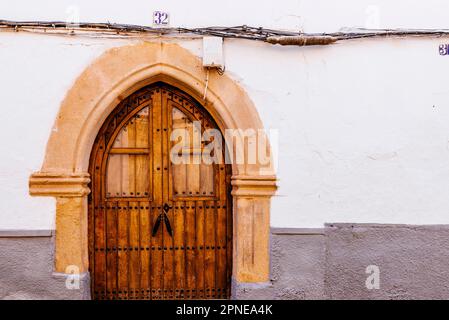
(161, 18)
(444, 49)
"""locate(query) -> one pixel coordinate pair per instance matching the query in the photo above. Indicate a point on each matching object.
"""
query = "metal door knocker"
(163, 216)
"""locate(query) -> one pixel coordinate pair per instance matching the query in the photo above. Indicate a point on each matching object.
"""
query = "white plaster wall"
(309, 15)
(364, 125)
(364, 130)
(36, 73)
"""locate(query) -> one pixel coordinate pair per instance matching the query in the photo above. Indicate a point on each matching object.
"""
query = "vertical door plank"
(165, 146)
(167, 238)
(145, 245)
(179, 253)
(134, 249)
(125, 173)
(209, 258)
(122, 249)
(168, 258)
(207, 179)
(200, 249)
(131, 176)
(179, 179)
(221, 232)
(131, 159)
(193, 171)
(142, 189)
(151, 202)
(142, 166)
(193, 175)
(113, 176)
(190, 242)
(142, 179)
(123, 140)
(131, 127)
(178, 120)
(157, 240)
(111, 249)
(142, 128)
(157, 147)
(156, 271)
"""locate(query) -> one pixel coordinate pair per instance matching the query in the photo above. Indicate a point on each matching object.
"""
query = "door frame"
(97, 91)
(102, 203)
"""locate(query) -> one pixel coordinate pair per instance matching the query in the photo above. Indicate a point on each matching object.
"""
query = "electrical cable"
(236, 32)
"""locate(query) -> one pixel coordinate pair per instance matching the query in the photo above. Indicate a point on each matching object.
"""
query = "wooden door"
(158, 229)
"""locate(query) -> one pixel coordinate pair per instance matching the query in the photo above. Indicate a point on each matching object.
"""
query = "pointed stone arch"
(97, 91)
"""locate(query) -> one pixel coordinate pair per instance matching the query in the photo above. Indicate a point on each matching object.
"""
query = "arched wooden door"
(158, 230)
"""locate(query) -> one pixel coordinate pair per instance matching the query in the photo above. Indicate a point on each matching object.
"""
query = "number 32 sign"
(161, 18)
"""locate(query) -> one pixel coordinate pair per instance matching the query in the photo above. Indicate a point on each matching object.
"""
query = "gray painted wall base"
(255, 291)
(327, 263)
(26, 271)
(413, 261)
(297, 264)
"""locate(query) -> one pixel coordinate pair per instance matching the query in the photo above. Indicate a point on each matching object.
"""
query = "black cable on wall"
(238, 32)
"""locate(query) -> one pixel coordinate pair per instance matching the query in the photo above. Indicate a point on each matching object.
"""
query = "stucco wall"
(321, 263)
(412, 261)
(331, 263)
(363, 133)
(26, 269)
